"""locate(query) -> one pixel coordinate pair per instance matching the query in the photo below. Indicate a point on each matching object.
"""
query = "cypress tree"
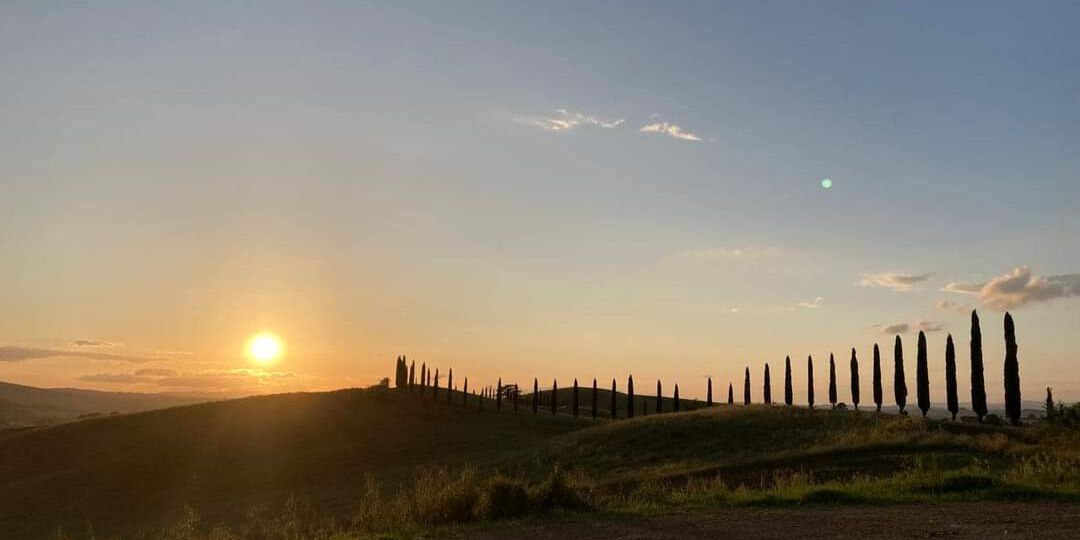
(1012, 373)
(659, 398)
(554, 397)
(465, 393)
(574, 407)
(746, 388)
(450, 386)
(899, 380)
(922, 375)
(877, 378)
(810, 381)
(768, 386)
(536, 395)
(1050, 403)
(676, 406)
(951, 398)
(708, 393)
(594, 396)
(498, 396)
(614, 405)
(730, 394)
(630, 397)
(435, 387)
(832, 381)
(412, 375)
(978, 384)
(423, 378)
(789, 393)
(397, 372)
(854, 380)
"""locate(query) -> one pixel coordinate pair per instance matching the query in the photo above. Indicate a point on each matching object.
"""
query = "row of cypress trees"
(405, 377)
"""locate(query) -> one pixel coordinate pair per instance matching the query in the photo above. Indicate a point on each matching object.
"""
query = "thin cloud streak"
(893, 280)
(671, 130)
(565, 120)
(19, 354)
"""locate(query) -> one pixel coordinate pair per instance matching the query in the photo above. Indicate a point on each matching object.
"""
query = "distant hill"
(22, 406)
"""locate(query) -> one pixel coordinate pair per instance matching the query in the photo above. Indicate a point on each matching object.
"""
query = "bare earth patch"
(1043, 521)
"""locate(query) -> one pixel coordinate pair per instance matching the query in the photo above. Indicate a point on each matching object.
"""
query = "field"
(347, 463)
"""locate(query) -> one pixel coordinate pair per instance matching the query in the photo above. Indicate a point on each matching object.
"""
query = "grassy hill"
(22, 406)
(133, 472)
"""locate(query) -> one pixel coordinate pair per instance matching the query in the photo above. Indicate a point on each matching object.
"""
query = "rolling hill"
(22, 406)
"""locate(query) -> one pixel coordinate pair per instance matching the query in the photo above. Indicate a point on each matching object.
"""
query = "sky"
(521, 189)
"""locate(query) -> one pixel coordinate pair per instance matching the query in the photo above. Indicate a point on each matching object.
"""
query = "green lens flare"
(826, 183)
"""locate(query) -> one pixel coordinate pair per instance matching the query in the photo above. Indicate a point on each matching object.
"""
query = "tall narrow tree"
(412, 375)
(978, 384)
(435, 387)
(614, 404)
(594, 396)
(536, 395)
(1012, 373)
(854, 380)
(423, 378)
(789, 393)
(951, 399)
(554, 397)
(730, 394)
(397, 372)
(922, 375)
(746, 388)
(708, 393)
(768, 386)
(675, 407)
(465, 393)
(877, 378)
(832, 381)
(899, 380)
(1050, 409)
(659, 398)
(574, 407)
(450, 386)
(630, 397)
(498, 396)
(810, 381)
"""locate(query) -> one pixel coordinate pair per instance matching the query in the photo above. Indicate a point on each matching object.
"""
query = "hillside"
(22, 406)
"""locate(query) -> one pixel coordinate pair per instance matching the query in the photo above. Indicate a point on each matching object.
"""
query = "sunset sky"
(519, 189)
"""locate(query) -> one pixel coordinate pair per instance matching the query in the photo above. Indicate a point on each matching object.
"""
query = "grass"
(358, 464)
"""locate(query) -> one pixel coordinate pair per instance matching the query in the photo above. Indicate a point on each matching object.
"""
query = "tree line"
(406, 378)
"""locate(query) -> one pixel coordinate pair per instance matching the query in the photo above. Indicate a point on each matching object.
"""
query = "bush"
(556, 493)
(503, 498)
(439, 498)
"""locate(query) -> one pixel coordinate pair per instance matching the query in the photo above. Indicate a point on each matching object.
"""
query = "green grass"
(357, 463)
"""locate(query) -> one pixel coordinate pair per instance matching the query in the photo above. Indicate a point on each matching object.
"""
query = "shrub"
(439, 498)
(555, 493)
(503, 498)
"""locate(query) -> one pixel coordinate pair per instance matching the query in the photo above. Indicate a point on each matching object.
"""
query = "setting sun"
(264, 348)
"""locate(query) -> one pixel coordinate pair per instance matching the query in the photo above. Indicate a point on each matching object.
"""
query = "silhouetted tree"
(854, 380)
(517, 392)
(595, 394)
(675, 407)
(659, 398)
(1012, 373)
(397, 373)
(789, 393)
(412, 375)
(1049, 403)
(922, 375)
(554, 397)
(614, 405)
(630, 397)
(832, 381)
(978, 384)
(951, 399)
(708, 393)
(877, 378)
(435, 387)
(899, 380)
(423, 378)
(536, 395)
(767, 391)
(465, 393)
(746, 388)
(730, 394)
(498, 396)
(574, 407)
(810, 381)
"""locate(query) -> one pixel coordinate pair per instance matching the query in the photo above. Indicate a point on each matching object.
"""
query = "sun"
(264, 348)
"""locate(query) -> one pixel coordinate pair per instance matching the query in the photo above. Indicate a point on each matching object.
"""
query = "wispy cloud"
(231, 379)
(18, 354)
(818, 302)
(94, 343)
(115, 378)
(671, 130)
(893, 280)
(1019, 287)
(905, 328)
(564, 120)
(949, 305)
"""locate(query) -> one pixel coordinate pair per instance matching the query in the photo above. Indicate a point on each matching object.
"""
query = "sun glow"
(264, 348)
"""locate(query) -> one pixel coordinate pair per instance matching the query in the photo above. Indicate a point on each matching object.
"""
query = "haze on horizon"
(518, 190)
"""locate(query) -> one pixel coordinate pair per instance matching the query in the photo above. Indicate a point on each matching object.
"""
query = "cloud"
(116, 378)
(232, 379)
(949, 305)
(893, 280)
(564, 120)
(94, 343)
(818, 302)
(1020, 287)
(18, 354)
(749, 252)
(670, 130)
(156, 372)
(735, 310)
(905, 328)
